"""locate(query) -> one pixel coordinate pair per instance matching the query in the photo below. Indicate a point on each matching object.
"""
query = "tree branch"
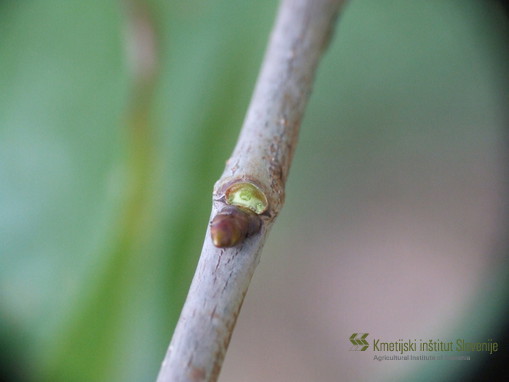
(250, 193)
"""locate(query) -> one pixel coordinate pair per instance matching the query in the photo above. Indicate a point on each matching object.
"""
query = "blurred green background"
(395, 219)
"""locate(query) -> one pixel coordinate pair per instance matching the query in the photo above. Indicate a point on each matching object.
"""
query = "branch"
(250, 193)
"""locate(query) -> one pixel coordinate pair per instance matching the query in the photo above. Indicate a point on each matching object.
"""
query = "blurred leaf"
(104, 204)
(62, 91)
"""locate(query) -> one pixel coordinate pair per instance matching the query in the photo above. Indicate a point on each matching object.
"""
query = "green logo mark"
(359, 341)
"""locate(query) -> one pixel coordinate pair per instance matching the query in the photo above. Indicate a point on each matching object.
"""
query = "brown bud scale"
(232, 225)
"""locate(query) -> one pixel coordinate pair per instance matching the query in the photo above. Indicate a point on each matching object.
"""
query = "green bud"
(248, 196)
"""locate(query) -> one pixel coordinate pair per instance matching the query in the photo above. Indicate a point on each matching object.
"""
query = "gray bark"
(262, 156)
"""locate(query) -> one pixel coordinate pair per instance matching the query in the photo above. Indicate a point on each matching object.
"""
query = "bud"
(232, 226)
(247, 195)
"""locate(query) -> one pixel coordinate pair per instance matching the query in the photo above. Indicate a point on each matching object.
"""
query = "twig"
(250, 193)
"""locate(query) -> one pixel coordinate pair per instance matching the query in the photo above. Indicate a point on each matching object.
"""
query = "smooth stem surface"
(262, 157)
